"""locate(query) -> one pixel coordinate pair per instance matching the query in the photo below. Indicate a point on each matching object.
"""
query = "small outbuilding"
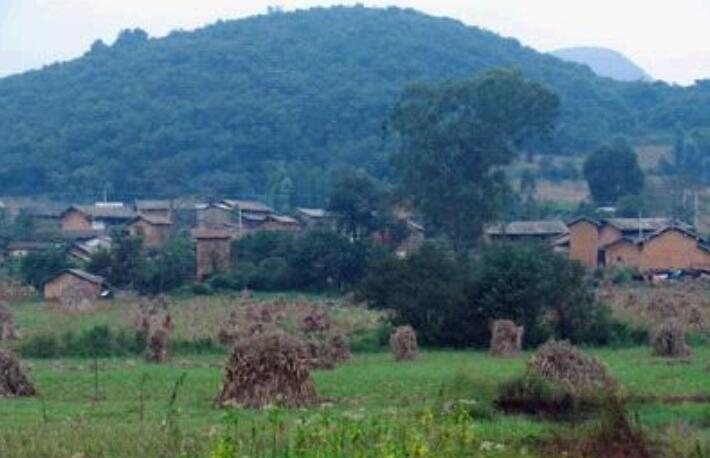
(89, 283)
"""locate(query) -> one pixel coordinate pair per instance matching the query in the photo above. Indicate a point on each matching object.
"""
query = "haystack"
(403, 343)
(562, 362)
(13, 380)
(77, 298)
(506, 339)
(317, 320)
(158, 349)
(7, 324)
(340, 348)
(668, 340)
(267, 370)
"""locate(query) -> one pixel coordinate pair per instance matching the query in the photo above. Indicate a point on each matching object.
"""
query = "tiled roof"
(105, 212)
(531, 228)
(283, 219)
(155, 220)
(87, 276)
(313, 212)
(635, 224)
(248, 205)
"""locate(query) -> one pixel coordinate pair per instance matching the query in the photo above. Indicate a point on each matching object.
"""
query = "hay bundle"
(506, 339)
(562, 362)
(77, 298)
(7, 324)
(403, 343)
(267, 370)
(158, 348)
(317, 320)
(340, 348)
(326, 353)
(13, 380)
(668, 340)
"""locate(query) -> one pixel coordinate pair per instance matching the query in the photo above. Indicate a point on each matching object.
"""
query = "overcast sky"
(669, 39)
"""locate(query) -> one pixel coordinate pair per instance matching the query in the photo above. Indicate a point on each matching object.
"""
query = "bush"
(272, 274)
(451, 303)
(534, 395)
(624, 275)
(102, 341)
(201, 289)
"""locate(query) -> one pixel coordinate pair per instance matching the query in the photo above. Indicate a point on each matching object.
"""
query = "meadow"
(439, 405)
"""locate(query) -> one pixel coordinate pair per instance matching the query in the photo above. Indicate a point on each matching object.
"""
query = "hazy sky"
(670, 39)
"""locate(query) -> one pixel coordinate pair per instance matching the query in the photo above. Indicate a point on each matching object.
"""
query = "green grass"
(69, 420)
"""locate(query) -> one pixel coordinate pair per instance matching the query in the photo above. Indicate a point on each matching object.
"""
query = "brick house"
(99, 217)
(92, 285)
(154, 230)
(213, 252)
(280, 223)
(645, 243)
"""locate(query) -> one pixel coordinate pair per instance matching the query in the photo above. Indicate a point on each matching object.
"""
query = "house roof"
(142, 205)
(585, 219)
(531, 228)
(210, 234)
(640, 241)
(84, 276)
(636, 224)
(154, 220)
(248, 205)
(283, 219)
(313, 212)
(104, 212)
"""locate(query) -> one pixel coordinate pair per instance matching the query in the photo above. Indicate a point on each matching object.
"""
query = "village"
(653, 247)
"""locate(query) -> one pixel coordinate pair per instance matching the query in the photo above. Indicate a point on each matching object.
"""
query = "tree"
(326, 260)
(37, 268)
(455, 137)
(530, 284)
(613, 171)
(355, 200)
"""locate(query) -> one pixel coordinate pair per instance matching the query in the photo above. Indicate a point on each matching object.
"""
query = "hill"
(270, 104)
(604, 62)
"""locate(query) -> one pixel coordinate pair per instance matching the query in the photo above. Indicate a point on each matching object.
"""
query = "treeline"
(270, 105)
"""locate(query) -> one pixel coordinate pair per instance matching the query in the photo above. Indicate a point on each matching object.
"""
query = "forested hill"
(269, 104)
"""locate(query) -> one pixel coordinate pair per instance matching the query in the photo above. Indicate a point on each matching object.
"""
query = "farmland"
(122, 406)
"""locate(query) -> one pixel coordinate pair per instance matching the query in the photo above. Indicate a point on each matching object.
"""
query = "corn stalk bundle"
(562, 362)
(267, 370)
(7, 324)
(403, 343)
(668, 340)
(13, 380)
(506, 339)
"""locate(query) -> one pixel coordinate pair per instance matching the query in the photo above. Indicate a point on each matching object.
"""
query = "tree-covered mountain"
(604, 62)
(269, 104)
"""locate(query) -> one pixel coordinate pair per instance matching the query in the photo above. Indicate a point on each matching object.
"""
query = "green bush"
(624, 275)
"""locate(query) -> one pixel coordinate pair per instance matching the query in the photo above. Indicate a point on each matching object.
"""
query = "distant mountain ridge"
(269, 105)
(604, 62)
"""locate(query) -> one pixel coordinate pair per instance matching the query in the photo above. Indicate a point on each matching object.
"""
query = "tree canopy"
(455, 137)
(612, 172)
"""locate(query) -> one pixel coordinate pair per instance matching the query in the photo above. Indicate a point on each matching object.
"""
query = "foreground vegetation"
(442, 404)
(125, 408)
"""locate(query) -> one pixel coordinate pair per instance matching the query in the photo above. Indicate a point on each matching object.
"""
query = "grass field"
(122, 407)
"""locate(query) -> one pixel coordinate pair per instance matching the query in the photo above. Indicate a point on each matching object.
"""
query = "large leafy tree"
(613, 171)
(356, 202)
(454, 139)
